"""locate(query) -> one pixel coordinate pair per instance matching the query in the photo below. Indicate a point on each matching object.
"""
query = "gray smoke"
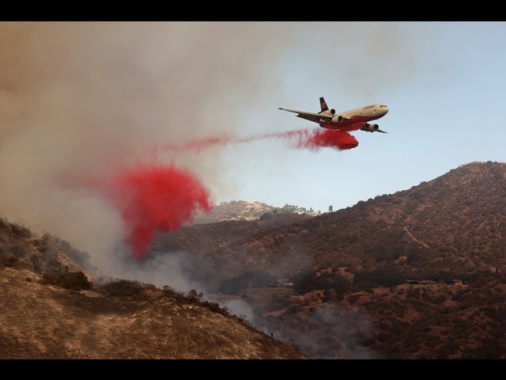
(80, 99)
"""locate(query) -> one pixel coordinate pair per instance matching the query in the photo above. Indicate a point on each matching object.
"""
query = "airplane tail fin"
(323, 105)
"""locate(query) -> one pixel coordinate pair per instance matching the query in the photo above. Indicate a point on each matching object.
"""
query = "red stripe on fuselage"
(352, 124)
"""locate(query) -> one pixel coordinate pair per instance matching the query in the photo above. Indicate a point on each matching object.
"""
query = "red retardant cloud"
(155, 199)
(329, 138)
(303, 138)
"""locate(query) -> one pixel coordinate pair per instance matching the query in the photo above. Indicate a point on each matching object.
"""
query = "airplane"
(353, 120)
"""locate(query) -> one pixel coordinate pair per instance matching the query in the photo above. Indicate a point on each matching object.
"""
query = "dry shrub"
(68, 280)
(10, 262)
(122, 287)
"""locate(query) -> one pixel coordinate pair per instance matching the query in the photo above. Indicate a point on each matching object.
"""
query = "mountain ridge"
(386, 222)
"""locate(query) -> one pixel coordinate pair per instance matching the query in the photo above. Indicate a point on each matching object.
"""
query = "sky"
(84, 101)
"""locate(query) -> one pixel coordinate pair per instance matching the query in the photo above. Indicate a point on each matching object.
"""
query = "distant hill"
(234, 210)
(247, 210)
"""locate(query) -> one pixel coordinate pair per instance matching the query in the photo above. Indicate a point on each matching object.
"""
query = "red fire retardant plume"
(162, 198)
(316, 138)
(157, 198)
(329, 138)
(304, 138)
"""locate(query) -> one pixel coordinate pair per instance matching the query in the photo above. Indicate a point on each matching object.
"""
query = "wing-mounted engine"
(371, 128)
(337, 119)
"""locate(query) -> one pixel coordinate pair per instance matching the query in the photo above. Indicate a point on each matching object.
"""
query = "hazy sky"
(82, 99)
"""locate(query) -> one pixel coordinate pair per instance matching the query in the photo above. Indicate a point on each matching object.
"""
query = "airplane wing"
(315, 117)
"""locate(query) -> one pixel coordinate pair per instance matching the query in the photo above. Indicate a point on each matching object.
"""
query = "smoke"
(159, 269)
(328, 332)
(85, 101)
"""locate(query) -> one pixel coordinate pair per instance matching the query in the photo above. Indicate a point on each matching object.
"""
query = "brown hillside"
(456, 222)
(419, 274)
(51, 310)
(234, 210)
(450, 228)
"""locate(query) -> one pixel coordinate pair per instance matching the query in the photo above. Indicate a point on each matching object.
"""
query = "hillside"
(52, 310)
(419, 274)
(234, 210)
(449, 229)
(453, 225)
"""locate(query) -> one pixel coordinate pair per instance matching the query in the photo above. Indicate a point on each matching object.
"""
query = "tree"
(249, 279)
(309, 280)
(383, 277)
(336, 282)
